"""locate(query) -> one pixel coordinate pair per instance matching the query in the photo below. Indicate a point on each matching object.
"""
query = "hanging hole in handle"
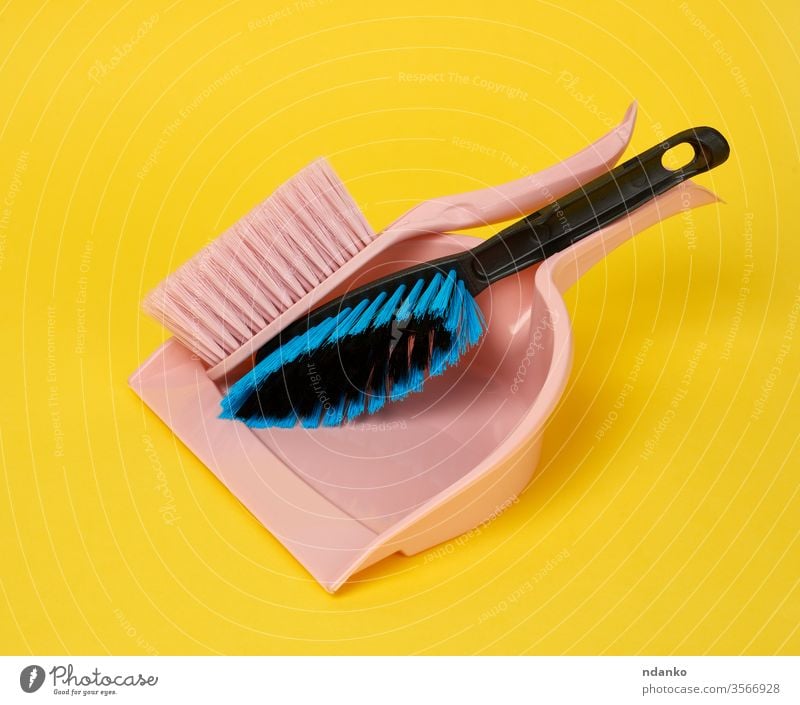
(679, 156)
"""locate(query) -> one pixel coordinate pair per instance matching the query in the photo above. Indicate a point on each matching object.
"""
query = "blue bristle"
(447, 358)
(412, 382)
(456, 351)
(312, 420)
(439, 361)
(318, 334)
(474, 322)
(464, 319)
(452, 317)
(356, 406)
(312, 339)
(404, 312)
(427, 297)
(377, 399)
(272, 422)
(440, 304)
(443, 296)
(415, 379)
(366, 318)
(463, 336)
(335, 415)
(385, 315)
(345, 325)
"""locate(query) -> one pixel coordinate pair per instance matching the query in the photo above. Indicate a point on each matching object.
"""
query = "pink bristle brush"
(271, 258)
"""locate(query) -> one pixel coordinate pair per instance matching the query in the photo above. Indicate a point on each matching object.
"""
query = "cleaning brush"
(380, 342)
(276, 254)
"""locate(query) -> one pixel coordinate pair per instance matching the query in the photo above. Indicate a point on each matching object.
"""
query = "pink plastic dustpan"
(438, 464)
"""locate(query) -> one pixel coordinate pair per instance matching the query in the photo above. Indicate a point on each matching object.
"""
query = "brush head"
(276, 254)
(352, 363)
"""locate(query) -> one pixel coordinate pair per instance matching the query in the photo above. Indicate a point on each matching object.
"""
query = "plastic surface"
(442, 462)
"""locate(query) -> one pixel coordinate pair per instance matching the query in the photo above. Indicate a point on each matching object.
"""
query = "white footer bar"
(401, 680)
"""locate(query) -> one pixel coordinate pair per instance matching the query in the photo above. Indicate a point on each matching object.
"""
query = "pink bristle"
(360, 234)
(299, 207)
(317, 256)
(284, 247)
(237, 303)
(294, 270)
(273, 291)
(261, 265)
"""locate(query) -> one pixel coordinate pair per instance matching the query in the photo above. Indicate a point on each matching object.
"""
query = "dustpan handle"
(595, 205)
(516, 198)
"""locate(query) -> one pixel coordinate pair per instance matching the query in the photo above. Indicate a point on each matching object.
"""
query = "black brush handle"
(550, 230)
(595, 205)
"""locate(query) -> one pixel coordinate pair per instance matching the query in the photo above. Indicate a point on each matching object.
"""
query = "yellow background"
(114, 170)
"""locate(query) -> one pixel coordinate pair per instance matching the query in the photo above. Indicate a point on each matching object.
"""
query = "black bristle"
(329, 375)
